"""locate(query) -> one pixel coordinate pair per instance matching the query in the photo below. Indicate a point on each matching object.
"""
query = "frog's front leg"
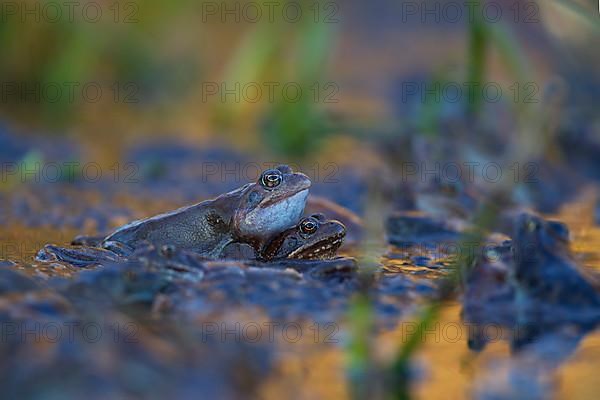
(78, 257)
(118, 248)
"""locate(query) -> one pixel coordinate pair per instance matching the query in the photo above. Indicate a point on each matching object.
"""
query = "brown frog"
(314, 237)
(251, 214)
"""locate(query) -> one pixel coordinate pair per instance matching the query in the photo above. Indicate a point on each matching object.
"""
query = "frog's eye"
(308, 226)
(271, 178)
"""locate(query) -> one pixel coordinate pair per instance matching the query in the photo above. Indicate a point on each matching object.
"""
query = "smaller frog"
(314, 237)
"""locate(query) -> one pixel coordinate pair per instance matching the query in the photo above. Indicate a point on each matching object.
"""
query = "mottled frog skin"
(251, 214)
(314, 237)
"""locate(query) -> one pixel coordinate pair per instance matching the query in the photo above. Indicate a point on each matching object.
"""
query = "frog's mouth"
(321, 249)
(283, 198)
(275, 215)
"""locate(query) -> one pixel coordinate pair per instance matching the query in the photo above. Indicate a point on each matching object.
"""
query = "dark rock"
(15, 282)
(405, 229)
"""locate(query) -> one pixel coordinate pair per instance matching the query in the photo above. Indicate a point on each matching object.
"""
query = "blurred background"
(111, 73)
(117, 110)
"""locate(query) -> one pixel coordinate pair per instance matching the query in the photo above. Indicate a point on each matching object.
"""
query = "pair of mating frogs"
(261, 220)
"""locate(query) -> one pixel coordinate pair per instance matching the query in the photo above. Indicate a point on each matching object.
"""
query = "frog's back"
(198, 228)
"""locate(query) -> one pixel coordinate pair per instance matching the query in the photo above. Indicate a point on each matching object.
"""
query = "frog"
(530, 283)
(546, 275)
(251, 214)
(314, 237)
